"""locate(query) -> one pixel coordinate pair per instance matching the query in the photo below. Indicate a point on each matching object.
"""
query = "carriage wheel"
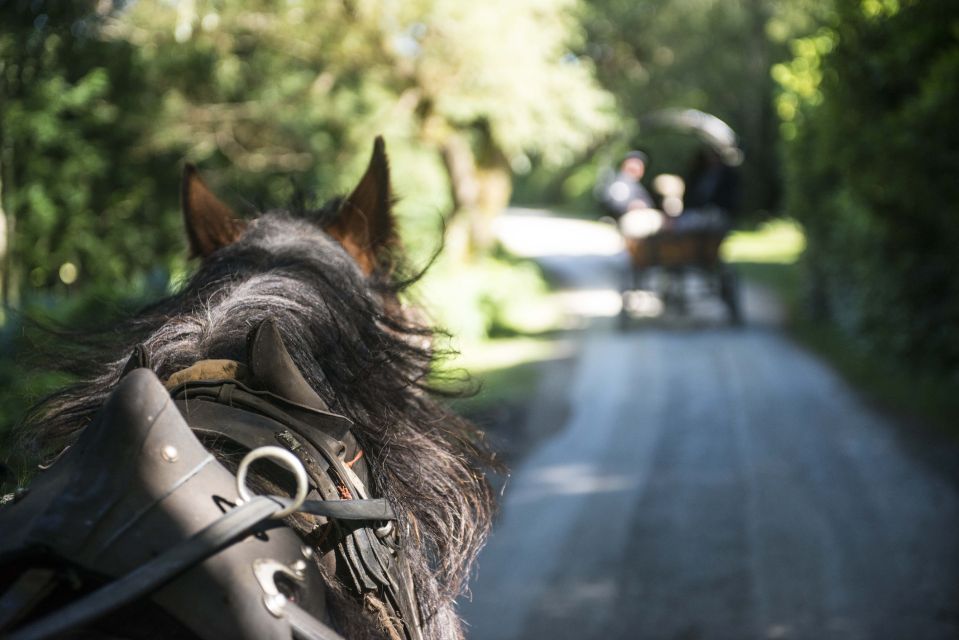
(622, 320)
(729, 292)
(674, 292)
(632, 281)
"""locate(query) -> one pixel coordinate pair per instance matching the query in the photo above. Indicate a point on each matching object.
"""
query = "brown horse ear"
(210, 224)
(364, 224)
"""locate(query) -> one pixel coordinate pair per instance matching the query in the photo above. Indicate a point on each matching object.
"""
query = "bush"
(491, 296)
(868, 109)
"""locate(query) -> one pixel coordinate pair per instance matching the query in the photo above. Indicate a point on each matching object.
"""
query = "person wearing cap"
(625, 192)
(627, 200)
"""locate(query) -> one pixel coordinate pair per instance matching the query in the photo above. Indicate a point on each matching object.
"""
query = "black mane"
(366, 357)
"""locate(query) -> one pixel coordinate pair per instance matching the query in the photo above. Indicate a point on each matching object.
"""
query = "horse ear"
(210, 224)
(364, 224)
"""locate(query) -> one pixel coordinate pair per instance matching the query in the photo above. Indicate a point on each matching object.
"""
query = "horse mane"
(367, 357)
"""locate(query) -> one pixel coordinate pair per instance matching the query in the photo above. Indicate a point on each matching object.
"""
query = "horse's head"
(362, 223)
(326, 283)
(328, 278)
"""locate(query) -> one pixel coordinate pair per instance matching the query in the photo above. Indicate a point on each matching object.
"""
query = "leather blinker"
(273, 369)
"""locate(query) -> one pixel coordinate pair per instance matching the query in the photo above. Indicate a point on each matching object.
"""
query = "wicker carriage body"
(673, 250)
(676, 254)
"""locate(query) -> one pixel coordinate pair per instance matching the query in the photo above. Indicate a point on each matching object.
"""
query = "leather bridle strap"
(154, 574)
(305, 626)
(365, 509)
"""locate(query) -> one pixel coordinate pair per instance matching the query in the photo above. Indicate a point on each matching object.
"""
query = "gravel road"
(712, 482)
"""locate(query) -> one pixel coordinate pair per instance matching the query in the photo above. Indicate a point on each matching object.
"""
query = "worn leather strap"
(230, 410)
(370, 509)
(154, 574)
(305, 626)
(266, 403)
(251, 430)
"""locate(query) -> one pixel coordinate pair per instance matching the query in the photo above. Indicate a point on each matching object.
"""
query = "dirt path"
(710, 482)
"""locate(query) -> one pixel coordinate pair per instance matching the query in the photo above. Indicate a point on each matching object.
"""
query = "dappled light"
(523, 234)
(572, 479)
(687, 266)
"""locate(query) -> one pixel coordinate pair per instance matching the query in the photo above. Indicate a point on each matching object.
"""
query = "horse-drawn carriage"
(672, 256)
(665, 247)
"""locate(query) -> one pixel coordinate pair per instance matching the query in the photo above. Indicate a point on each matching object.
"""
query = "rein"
(368, 558)
(265, 409)
(232, 527)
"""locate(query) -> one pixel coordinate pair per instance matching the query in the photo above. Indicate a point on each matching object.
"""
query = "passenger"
(627, 200)
(712, 194)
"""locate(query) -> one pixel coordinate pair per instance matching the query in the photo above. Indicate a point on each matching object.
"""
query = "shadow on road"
(684, 479)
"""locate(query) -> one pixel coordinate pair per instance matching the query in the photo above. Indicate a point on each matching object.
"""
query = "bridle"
(145, 454)
(233, 527)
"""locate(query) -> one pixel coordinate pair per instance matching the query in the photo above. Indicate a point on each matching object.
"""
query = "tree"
(276, 87)
(867, 107)
(712, 55)
(497, 81)
(78, 198)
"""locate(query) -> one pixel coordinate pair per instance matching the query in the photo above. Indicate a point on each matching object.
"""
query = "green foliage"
(867, 108)
(101, 103)
(507, 64)
(268, 89)
(76, 188)
(779, 241)
(489, 297)
(712, 55)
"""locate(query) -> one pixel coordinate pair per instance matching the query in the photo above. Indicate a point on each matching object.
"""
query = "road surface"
(712, 482)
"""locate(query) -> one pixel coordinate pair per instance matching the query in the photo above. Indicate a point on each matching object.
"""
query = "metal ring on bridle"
(283, 457)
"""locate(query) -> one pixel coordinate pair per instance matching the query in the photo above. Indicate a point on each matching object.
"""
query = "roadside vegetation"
(845, 109)
(502, 324)
(772, 256)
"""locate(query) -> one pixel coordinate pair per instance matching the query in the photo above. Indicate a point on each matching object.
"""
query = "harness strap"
(154, 574)
(366, 555)
(29, 589)
(332, 425)
(369, 509)
(305, 626)
(252, 430)
(223, 532)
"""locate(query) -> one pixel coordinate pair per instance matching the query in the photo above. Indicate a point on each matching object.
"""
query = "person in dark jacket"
(712, 194)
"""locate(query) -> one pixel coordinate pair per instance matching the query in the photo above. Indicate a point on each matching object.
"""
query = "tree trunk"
(461, 169)
(495, 188)
(480, 187)
(464, 194)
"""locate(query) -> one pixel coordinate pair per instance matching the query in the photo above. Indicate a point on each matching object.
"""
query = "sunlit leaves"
(868, 107)
(73, 106)
(509, 64)
(800, 78)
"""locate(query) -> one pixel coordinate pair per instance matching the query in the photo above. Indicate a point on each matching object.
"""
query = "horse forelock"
(365, 358)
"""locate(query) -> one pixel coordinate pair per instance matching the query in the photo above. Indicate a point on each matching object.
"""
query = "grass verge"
(908, 394)
(502, 371)
(769, 257)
